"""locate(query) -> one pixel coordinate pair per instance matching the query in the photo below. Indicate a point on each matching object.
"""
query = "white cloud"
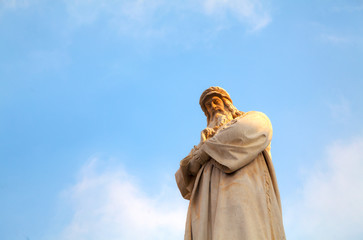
(335, 39)
(128, 17)
(252, 12)
(108, 205)
(329, 205)
(342, 40)
(161, 17)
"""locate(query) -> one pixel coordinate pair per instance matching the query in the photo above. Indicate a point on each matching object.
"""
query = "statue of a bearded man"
(229, 178)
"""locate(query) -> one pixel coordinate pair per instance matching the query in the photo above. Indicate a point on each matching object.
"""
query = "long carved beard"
(220, 119)
(217, 121)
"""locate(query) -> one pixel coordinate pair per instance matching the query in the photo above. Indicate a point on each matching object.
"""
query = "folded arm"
(237, 145)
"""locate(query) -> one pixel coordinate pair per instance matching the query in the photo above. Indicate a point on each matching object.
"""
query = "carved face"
(214, 105)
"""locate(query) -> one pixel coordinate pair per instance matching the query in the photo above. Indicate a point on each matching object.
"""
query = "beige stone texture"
(229, 178)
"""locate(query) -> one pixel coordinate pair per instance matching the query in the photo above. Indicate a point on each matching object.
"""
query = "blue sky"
(99, 103)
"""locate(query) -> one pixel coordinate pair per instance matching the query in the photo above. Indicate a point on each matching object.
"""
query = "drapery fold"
(235, 194)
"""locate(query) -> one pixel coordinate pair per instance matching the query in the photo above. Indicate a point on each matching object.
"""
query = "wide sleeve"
(237, 145)
(184, 179)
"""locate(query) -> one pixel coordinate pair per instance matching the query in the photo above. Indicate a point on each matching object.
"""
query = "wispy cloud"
(161, 17)
(252, 12)
(342, 34)
(348, 8)
(335, 39)
(329, 205)
(340, 109)
(107, 204)
(13, 4)
(342, 40)
(127, 16)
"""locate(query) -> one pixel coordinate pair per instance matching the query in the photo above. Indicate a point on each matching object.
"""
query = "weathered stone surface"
(229, 178)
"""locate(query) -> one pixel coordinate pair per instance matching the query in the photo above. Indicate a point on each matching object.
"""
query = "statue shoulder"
(251, 115)
(254, 118)
(251, 119)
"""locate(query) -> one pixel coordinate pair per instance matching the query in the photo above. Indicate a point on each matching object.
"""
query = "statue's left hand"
(197, 161)
(207, 133)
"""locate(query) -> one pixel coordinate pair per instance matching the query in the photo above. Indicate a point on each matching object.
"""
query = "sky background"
(99, 103)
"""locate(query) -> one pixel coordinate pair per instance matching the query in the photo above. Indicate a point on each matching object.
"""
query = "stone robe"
(234, 195)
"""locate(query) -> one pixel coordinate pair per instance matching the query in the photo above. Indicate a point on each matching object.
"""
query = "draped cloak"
(234, 195)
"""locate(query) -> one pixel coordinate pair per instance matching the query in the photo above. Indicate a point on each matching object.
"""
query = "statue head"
(217, 106)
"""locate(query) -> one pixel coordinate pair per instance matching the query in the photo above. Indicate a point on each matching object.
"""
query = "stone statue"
(229, 178)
